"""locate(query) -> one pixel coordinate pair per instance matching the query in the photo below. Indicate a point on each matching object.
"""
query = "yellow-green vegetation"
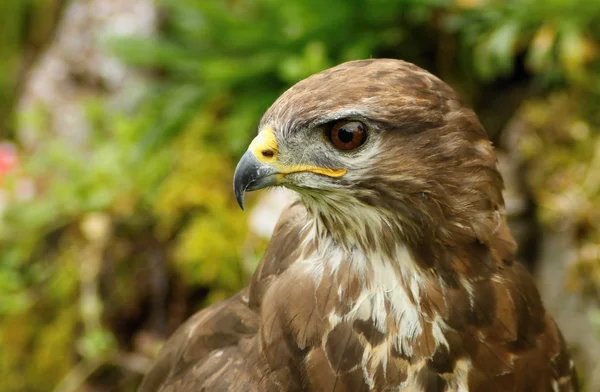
(25, 28)
(562, 149)
(136, 228)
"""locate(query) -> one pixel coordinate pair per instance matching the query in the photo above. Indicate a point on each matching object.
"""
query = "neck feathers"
(353, 225)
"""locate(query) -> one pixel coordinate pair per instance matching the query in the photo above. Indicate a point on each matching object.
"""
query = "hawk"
(393, 271)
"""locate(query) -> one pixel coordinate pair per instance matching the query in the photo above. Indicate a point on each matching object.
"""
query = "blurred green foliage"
(25, 28)
(134, 230)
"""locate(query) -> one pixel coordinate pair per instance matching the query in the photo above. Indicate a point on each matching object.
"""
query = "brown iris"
(348, 135)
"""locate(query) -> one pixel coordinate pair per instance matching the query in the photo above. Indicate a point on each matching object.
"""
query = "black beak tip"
(243, 177)
(239, 196)
(239, 189)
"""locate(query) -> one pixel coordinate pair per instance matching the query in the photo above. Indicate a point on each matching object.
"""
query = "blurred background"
(121, 122)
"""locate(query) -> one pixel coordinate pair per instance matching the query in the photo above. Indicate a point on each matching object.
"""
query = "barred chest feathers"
(370, 314)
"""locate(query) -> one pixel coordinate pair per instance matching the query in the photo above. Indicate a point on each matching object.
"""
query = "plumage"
(395, 268)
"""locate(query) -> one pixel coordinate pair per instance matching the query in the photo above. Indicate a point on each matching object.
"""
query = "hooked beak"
(260, 167)
(251, 175)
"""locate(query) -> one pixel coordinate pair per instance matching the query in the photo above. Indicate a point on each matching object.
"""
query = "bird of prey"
(393, 271)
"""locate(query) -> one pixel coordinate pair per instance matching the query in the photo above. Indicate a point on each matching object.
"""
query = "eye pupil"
(347, 135)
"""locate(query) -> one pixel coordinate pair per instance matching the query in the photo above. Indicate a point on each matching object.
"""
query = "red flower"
(8, 157)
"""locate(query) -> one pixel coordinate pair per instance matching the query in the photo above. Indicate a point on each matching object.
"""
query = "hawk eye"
(347, 135)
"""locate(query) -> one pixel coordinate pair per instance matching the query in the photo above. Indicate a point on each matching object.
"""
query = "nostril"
(267, 153)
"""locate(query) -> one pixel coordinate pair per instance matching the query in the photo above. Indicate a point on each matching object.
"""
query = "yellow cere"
(265, 142)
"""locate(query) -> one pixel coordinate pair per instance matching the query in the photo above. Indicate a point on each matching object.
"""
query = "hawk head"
(379, 149)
